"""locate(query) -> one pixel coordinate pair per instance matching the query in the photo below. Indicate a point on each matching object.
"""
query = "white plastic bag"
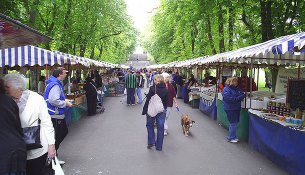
(155, 105)
(56, 167)
(125, 91)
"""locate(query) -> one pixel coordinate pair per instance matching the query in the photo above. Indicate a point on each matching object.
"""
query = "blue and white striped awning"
(277, 51)
(31, 56)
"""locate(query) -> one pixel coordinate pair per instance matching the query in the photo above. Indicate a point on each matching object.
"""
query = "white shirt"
(33, 106)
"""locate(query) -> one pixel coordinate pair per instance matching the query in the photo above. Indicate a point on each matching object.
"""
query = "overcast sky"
(139, 11)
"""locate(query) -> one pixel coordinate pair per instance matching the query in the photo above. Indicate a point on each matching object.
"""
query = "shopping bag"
(56, 167)
(125, 91)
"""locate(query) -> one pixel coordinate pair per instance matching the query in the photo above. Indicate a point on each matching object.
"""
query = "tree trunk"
(82, 50)
(249, 25)
(65, 47)
(266, 21)
(231, 26)
(220, 30)
(92, 53)
(101, 51)
(193, 37)
(33, 13)
(209, 33)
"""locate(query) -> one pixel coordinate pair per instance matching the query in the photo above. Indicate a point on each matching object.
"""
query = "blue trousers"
(139, 94)
(150, 121)
(233, 117)
(130, 96)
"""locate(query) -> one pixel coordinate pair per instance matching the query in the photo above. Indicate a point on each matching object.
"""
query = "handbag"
(155, 105)
(31, 137)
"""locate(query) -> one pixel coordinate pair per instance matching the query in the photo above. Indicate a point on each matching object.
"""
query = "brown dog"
(186, 123)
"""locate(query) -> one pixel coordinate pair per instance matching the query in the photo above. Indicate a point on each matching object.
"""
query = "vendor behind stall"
(209, 79)
(91, 95)
(191, 82)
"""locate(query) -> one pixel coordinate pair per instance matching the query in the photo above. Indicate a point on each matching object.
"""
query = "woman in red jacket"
(171, 98)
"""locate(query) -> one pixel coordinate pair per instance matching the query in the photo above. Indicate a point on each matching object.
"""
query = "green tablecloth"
(243, 125)
(78, 111)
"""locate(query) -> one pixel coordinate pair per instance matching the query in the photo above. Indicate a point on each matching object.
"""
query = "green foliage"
(184, 29)
(99, 29)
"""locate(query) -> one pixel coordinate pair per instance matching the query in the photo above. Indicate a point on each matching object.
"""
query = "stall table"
(208, 107)
(207, 103)
(194, 99)
(78, 111)
(281, 144)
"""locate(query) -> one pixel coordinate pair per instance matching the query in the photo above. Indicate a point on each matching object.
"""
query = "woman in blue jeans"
(232, 97)
(160, 89)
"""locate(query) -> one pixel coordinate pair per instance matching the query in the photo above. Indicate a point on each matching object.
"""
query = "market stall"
(281, 142)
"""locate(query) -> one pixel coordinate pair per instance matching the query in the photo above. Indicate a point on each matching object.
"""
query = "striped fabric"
(130, 81)
(31, 56)
(278, 51)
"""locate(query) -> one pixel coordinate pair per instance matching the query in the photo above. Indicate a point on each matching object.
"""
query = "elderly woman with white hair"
(32, 108)
(170, 99)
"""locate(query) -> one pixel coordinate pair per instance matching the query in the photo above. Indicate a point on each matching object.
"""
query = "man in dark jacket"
(12, 148)
(130, 84)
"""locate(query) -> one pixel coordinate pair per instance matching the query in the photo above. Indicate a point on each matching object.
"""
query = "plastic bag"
(56, 167)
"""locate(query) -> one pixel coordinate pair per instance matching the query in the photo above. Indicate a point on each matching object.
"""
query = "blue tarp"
(210, 110)
(282, 145)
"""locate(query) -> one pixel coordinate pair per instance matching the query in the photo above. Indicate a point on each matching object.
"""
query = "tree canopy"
(184, 29)
(98, 29)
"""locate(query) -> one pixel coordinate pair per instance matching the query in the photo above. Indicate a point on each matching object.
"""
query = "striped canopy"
(277, 51)
(280, 51)
(31, 56)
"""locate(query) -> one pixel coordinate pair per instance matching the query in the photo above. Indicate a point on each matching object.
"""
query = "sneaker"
(132, 104)
(149, 146)
(233, 141)
(61, 162)
(237, 140)
(165, 133)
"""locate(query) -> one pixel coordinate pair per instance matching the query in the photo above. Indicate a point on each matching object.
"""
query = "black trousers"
(91, 105)
(35, 166)
(61, 131)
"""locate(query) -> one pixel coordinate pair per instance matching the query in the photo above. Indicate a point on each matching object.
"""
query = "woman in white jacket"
(32, 107)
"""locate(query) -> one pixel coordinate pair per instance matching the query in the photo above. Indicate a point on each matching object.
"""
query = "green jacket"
(130, 81)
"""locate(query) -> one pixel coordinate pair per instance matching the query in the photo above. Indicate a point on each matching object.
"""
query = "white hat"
(165, 75)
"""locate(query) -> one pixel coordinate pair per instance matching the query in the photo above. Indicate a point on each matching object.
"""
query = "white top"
(36, 107)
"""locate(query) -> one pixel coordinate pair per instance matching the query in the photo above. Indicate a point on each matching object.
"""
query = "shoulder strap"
(155, 89)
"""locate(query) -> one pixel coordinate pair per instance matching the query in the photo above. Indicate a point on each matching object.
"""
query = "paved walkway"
(114, 142)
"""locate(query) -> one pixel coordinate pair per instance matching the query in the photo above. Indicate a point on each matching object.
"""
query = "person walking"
(170, 99)
(140, 86)
(232, 97)
(179, 85)
(12, 147)
(148, 74)
(160, 89)
(57, 104)
(91, 96)
(33, 110)
(130, 85)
